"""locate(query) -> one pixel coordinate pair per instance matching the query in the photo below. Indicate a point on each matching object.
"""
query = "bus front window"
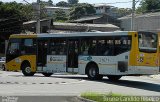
(13, 47)
(147, 42)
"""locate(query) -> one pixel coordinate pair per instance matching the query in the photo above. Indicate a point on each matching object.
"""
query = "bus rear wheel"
(93, 72)
(114, 77)
(26, 70)
(47, 74)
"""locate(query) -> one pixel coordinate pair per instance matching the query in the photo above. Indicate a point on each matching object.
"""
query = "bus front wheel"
(26, 70)
(47, 74)
(114, 77)
(93, 72)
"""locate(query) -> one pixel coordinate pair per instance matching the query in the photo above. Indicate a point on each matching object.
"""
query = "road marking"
(42, 83)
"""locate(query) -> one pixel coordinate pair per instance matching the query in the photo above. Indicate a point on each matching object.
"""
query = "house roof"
(53, 7)
(88, 25)
(102, 4)
(3, 20)
(34, 21)
(87, 18)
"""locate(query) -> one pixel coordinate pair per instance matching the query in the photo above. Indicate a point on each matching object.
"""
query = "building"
(143, 22)
(50, 10)
(103, 8)
(45, 25)
(105, 14)
(98, 19)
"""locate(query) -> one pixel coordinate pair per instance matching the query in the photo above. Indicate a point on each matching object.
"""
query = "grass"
(112, 97)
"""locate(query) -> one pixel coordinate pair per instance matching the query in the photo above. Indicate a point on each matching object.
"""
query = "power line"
(119, 2)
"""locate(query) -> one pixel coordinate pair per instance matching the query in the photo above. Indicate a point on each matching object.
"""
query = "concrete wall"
(147, 22)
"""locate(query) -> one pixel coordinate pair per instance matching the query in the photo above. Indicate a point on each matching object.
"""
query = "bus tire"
(100, 77)
(26, 70)
(114, 77)
(47, 74)
(93, 72)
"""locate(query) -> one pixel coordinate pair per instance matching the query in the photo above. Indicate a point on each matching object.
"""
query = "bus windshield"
(147, 42)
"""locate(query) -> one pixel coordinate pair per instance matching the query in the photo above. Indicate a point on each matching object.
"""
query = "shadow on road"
(127, 83)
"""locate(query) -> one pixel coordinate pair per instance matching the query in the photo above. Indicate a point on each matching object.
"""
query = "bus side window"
(28, 47)
(92, 47)
(84, 47)
(122, 44)
(58, 47)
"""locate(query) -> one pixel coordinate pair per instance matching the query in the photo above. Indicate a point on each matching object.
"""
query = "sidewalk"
(155, 76)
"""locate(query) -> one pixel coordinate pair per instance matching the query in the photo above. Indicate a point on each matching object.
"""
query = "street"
(15, 84)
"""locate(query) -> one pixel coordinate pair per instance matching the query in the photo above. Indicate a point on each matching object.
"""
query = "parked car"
(2, 63)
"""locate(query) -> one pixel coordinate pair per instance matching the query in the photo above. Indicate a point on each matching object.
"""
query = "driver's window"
(14, 47)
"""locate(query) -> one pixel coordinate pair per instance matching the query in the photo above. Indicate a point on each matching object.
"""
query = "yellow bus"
(96, 54)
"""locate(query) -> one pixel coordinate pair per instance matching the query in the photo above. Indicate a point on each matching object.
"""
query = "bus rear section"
(119, 55)
(145, 57)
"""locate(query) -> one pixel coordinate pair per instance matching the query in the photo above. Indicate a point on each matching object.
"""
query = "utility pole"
(133, 15)
(38, 17)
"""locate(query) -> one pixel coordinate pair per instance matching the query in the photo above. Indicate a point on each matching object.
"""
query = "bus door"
(57, 55)
(72, 57)
(41, 53)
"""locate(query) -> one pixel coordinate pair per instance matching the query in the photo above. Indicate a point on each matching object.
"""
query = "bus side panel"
(56, 64)
(82, 62)
(107, 64)
(159, 50)
(134, 49)
(15, 64)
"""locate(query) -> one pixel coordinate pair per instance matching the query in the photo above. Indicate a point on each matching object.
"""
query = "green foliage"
(60, 15)
(112, 97)
(62, 4)
(148, 6)
(16, 10)
(50, 2)
(13, 15)
(80, 10)
(73, 2)
(123, 11)
(46, 3)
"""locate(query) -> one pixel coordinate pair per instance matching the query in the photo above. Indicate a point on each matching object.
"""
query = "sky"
(116, 3)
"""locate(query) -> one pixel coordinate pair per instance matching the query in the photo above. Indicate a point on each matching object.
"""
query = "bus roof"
(75, 34)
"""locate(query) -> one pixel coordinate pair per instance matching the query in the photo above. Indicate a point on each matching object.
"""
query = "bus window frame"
(147, 50)
(9, 45)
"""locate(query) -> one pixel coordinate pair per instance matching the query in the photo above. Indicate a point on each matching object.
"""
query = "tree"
(60, 15)
(149, 6)
(50, 2)
(17, 10)
(73, 2)
(123, 11)
(80, 10)
(62, 4)
(13, 15)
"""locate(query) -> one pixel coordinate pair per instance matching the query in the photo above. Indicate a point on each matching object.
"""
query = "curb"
(84, 99)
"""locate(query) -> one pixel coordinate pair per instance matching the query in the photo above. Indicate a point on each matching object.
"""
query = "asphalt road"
(68, 86)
